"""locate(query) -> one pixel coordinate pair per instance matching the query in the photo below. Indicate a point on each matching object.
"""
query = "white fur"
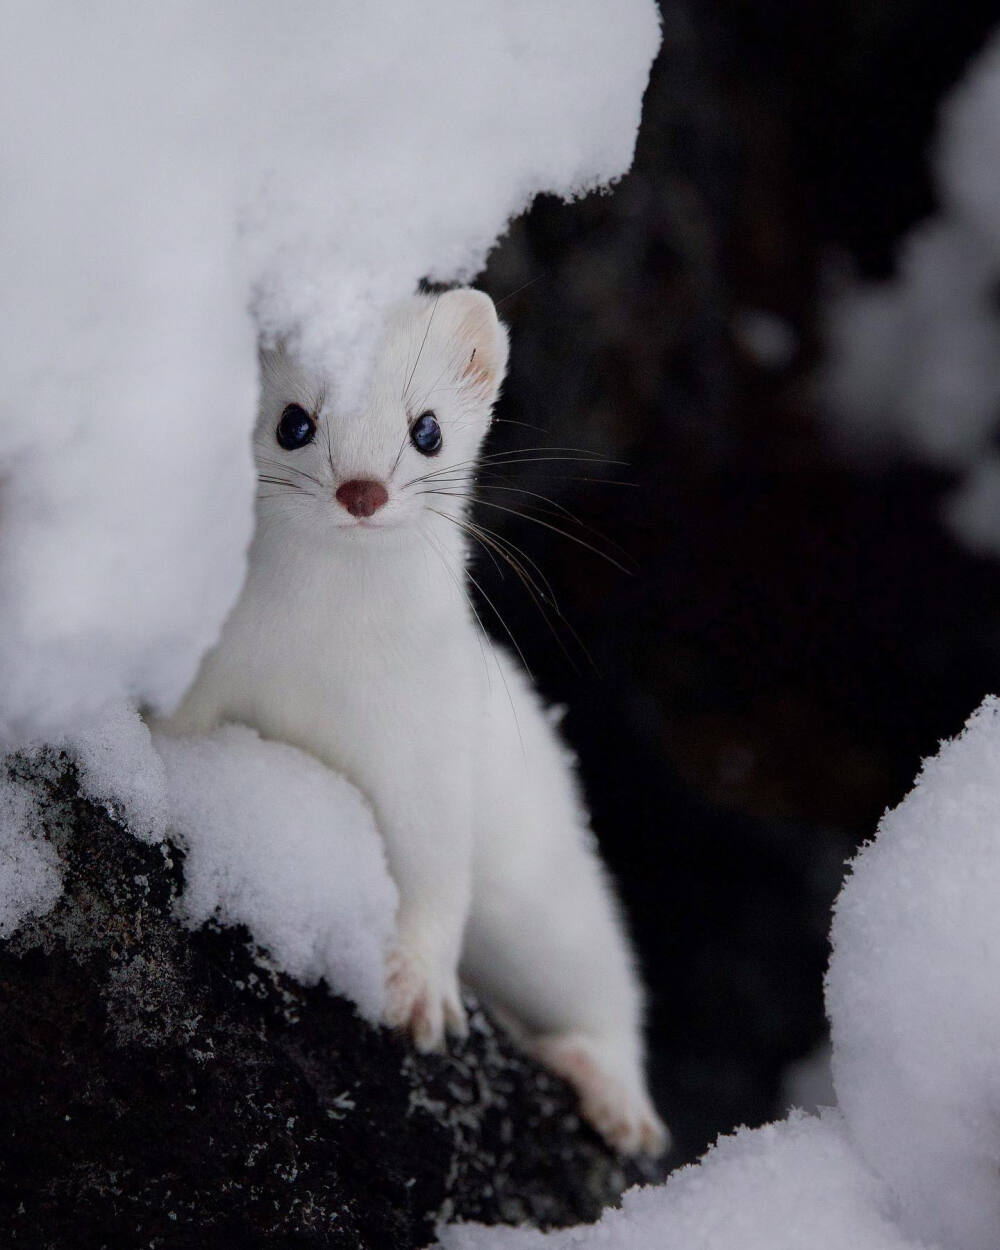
(356, 642)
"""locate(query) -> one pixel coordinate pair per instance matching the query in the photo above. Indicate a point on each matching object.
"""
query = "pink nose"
(362, 498)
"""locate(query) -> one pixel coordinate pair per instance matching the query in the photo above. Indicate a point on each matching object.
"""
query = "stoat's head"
(410, 453)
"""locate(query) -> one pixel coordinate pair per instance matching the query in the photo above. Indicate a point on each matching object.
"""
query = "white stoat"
(354, 640)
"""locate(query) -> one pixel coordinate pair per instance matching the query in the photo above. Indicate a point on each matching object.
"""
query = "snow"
(30, 876)
(118, 768)
(179, 179)
(276, 841)
(272, 840)
(912, 995)
(914, 363)
(911, 1154)
(180, 183)
(786, 1186)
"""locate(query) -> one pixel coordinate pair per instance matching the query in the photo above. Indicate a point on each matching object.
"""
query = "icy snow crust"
(178, 178)
(915, 362)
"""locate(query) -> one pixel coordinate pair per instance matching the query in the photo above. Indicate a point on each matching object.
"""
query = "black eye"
(425, 434)
(296, 428)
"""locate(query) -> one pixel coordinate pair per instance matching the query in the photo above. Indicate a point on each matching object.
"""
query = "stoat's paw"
(422, 997)
(618, 1107)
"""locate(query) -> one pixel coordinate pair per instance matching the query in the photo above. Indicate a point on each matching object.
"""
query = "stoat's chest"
(339, 655)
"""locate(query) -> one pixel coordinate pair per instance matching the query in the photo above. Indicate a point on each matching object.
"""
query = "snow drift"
(179, 180)
(911, 1156)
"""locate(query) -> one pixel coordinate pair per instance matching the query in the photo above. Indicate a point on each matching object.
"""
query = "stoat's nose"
(362, 498)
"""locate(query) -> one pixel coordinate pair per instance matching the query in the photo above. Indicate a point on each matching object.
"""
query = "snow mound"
(276, 841)
(782, 1187)
(915, 362)
(273, 840)
(912, 994)
(177, 180)
(911, 1155)
(30, 877)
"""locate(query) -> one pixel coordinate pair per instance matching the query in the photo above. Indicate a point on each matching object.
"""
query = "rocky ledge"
(167, 1088)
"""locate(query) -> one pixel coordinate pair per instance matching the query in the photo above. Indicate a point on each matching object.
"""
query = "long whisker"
(485, 638)
(423, 343)
(489, 539)
(502, 459)
(540, 599)
(289, 468)
(545, 592)
(487, 503)
(587, 452)
(399, 454)
(278, 481)
(517, 290)
(483, 635)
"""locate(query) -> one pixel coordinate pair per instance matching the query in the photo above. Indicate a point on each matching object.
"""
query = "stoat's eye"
(296, 428)
(425, 434)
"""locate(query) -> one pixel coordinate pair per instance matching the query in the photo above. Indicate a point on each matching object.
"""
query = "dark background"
(796, 630)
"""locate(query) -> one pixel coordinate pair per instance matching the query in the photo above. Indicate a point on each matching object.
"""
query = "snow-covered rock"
(169, 1086)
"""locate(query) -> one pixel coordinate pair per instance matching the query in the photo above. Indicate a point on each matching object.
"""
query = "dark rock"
(163, 1087)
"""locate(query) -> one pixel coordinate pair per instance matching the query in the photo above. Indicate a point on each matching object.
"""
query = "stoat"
(354, 640)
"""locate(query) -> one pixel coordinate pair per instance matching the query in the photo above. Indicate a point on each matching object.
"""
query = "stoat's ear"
(480, 338)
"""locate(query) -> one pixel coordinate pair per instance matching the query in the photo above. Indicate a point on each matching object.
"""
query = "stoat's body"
(354, 640)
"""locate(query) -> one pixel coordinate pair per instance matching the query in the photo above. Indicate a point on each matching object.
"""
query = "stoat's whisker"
(545, 592)
(483, 635)
(423, 344)
(490, 541)
(289, 468)
(278, 481)
(528, 516)
(584, 452)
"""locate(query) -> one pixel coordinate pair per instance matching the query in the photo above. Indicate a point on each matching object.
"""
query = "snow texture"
(276, 841)
(180, 179)
(786, 1186)
(273, 840)
(30, 877)
(915, 362)
(911, 1155)
(118, 767)
(912, 995)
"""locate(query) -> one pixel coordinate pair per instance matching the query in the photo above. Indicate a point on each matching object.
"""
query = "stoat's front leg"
(423, 806)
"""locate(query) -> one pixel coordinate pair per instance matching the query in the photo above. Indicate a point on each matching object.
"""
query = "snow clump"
(181, 179)
(272, 840)
(915, 362)
(30, 872)
(276, 841)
